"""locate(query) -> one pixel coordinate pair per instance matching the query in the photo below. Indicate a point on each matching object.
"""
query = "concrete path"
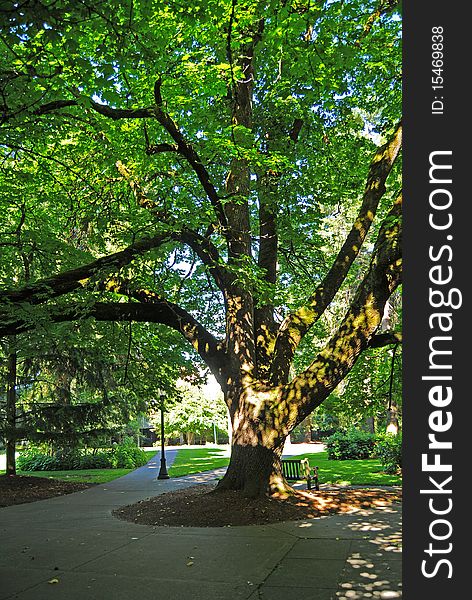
(71, 548)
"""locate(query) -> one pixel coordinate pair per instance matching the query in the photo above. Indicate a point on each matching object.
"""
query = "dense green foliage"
(353, 444)
(371, 387)
(197, 183)
(335, 67)
(388, 449)
(121, 456)
(194, 412)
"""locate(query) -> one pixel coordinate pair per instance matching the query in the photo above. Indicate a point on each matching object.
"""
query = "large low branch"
(150, 309)
(74, 279)
(357, 331)
(201, 245)
(298, 323)
(183, 147)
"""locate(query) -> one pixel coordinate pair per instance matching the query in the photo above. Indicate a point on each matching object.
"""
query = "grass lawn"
(347, 472)
(151, 453)
(84, 475)
(80, 476)
(350, 472)
(196, 460)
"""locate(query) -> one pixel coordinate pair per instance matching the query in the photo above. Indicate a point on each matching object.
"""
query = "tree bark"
(11, 414)
(254, 470)
(256, 450)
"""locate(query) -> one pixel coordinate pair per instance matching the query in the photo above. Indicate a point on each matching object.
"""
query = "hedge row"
(354, 444)
(121, 456)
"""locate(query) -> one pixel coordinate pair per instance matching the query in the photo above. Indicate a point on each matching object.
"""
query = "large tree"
(217, 168)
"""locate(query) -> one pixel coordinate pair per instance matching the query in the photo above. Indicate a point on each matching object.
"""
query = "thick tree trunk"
(11, 415)
(255, 471)
(257, 442)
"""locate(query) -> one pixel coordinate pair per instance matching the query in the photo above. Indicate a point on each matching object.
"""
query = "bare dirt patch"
(196, 506)
(20, 489)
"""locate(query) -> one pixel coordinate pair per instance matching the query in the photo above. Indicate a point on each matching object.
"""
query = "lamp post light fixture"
(163, 470)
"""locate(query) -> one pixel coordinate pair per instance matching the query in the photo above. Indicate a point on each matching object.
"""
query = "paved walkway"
(71, 548)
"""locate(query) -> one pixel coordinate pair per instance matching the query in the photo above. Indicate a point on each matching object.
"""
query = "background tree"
(79, 387)
(194, 413)
(192, 165)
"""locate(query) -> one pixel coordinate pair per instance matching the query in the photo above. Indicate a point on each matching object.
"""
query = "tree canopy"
(227, 169)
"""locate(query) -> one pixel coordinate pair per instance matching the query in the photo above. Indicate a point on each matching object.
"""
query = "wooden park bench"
(297, 469)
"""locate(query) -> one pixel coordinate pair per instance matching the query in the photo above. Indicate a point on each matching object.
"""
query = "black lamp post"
(163, 470)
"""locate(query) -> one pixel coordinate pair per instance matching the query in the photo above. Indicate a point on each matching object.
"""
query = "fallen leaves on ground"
(196, 507)
(19, 489)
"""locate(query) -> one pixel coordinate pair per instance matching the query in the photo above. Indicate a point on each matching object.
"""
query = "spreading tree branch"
(183, 147)
(69, 281)
(149, 309)
(298, 323)
(355, 334)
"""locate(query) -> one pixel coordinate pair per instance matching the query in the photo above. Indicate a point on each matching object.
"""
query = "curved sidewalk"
(71, 548)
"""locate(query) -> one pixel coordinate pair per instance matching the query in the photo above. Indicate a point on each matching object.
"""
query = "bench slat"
(294, 470)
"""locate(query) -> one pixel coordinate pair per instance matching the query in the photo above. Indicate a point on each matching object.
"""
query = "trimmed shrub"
(34, 460)
(350, 445)
(122, 456)
(128, 456)
(388, 449)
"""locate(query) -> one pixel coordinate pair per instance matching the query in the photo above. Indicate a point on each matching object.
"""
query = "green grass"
(347, 472)
(83, 475)
(80, 476)
(350, 472)
(196, 460)
(151, 453)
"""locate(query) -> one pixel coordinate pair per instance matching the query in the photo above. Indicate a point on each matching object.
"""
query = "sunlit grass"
(80, 476)
(350, 472)
(196, 460)
(151, 453)
(345, 472)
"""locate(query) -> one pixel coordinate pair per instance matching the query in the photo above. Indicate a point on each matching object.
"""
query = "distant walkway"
(289, 448)
(72, 548)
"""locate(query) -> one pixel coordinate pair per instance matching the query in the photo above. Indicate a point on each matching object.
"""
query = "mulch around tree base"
(196, 507)
(20, 489)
